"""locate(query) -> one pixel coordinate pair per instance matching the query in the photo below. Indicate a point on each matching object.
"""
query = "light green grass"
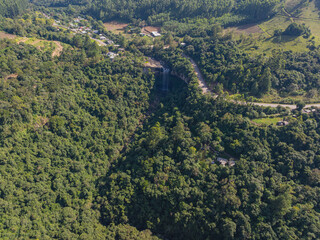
(267, 121)
(265, 42)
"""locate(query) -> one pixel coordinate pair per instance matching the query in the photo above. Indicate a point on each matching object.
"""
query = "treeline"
(12, 8)
(171, 9)
(176, 9)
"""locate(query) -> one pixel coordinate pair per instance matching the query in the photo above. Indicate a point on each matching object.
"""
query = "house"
(95, 31)
(84, 32)
(232, 163)
(155, 34)
(222, 161)
(282, 123)
(103, 38)
(183, 44)
(112, 55)
(121, 49)
(307, 111)
(110, 42)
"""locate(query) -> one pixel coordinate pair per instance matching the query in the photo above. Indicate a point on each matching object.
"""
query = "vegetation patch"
(267, 121)
(7, 35)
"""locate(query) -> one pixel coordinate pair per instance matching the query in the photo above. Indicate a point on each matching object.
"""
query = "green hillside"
(263, 39)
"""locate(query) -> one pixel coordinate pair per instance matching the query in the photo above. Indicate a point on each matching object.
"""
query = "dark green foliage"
(167, 182)
(222, 61)
(62, 123)
(295, 29)
(89, 150)
(12, 8)
(156, 11)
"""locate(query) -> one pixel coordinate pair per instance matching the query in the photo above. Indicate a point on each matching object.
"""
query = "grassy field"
(260, 39)
(43, 45)
(267, 121)
(7, 35)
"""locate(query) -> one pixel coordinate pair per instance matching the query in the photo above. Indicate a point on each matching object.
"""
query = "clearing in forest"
(263, 40)
(43, 45)
(244, 29)
(7, 35)
(115, 27)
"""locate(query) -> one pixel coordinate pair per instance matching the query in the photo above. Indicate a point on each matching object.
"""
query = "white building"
(112, 55)
(155, 34)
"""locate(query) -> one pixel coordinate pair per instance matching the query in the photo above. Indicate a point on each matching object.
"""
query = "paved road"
(205, 89)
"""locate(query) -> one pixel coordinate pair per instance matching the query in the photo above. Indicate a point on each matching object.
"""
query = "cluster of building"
(307, 111)
(151, 34)
(225, 162)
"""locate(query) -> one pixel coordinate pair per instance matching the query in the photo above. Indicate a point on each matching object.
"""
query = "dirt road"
(201, 81)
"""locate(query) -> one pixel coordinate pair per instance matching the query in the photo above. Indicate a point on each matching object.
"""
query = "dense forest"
(170, 9)
(11, 8)
(93, 148)
(223, 62)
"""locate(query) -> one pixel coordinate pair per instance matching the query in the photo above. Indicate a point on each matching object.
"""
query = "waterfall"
(165, 79)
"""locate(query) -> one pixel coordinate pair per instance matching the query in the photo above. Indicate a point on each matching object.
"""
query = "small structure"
(231, 163)
(110, 42)
(307, 111)
(183, 44)
(121, 49)
(95, 31)
(103, 38)
(222, 161)
(282, 123)
(84, 32)
(155, 34)
(112, 55)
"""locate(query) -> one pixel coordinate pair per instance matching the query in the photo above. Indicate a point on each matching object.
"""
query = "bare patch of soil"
(58, 49)
(115, 27)
(246, 29)
(7, 35)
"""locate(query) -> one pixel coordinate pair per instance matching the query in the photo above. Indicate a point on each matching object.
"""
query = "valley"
(158, 119)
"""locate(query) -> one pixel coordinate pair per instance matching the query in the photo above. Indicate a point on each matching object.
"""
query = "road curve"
(205, 89)
(201, 81)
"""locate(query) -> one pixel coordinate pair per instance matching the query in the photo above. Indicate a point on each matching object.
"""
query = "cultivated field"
(115, 27)
(43, 45)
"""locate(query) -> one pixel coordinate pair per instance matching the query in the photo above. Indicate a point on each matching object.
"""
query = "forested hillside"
(62, 124)
(11, 8)
(171, 9)
(92, 147)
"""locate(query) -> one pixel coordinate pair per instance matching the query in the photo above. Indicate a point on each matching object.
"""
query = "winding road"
(206, 90)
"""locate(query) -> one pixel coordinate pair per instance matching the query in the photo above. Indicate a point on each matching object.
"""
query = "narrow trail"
(206, 90)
